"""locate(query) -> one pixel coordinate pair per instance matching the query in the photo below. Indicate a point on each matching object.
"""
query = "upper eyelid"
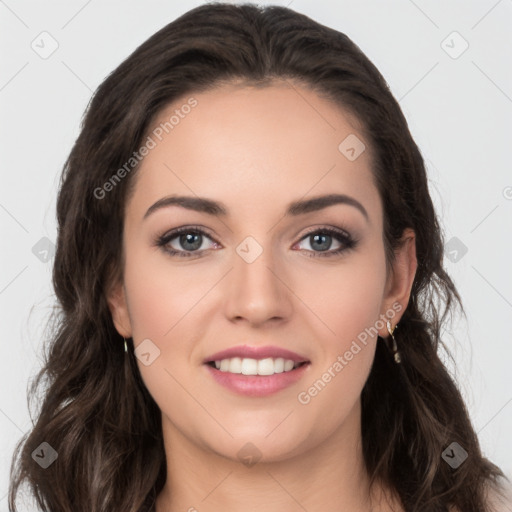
(172, 233)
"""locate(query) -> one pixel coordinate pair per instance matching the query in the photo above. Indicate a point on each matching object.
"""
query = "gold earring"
(396, 354)
(125, 346)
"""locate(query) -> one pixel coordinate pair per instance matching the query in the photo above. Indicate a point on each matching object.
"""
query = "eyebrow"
(218, 209)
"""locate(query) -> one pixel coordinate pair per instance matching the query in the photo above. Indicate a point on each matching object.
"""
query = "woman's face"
(266, 272)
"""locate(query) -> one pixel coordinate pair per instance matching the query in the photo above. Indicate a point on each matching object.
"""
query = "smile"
(249, 366)
(256, 378)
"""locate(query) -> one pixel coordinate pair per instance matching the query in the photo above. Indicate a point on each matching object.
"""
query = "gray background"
(458, 105)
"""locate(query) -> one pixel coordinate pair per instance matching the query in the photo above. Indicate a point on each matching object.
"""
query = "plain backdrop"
(448, 64)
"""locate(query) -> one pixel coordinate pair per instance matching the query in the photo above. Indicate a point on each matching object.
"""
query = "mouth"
(257, 377)
(256, 367)
(256, 371)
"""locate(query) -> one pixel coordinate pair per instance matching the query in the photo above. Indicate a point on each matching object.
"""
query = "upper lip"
(251, 352)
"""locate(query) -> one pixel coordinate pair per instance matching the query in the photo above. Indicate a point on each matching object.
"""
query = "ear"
(116, 299)
(400, 280)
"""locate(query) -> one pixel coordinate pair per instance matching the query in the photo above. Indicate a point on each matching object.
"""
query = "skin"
(256, 150)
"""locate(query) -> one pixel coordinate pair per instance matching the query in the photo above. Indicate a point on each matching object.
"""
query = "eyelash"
(347, 241)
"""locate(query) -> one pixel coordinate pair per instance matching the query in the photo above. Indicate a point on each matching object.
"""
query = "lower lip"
(257, 385)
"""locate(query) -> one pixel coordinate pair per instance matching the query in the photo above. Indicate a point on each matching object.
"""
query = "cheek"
(162, 301)
(346, 302)
(159, 295)
(346, 299)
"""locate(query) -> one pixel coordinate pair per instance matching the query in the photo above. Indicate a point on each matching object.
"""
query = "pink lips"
(256, 385)
(256, 353)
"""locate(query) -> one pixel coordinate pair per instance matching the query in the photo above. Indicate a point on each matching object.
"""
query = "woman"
(250, 269)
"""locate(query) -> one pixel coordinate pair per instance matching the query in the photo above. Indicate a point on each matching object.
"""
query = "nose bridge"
(257, 292)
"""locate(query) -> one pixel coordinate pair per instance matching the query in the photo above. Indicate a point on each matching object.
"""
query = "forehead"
(253, 146)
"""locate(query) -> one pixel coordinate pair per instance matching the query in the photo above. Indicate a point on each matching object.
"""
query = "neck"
(330, 476)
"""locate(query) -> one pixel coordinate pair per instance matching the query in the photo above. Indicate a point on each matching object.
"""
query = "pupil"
(324, 237)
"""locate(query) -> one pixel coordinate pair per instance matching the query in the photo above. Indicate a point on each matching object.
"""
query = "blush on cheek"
(156, 302)
(346, 317)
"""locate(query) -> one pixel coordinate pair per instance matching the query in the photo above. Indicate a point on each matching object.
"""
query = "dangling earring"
(396, 354)
(125, 346)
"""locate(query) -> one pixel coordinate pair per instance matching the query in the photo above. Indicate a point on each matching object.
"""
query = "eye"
(190, 238)
(188, 241)
(320, 240)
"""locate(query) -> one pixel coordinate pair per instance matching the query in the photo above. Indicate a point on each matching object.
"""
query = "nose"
(257, 290)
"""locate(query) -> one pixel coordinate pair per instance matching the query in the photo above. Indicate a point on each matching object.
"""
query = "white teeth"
(279, 365)
(266, 366)
(248, 366)
(235, 365)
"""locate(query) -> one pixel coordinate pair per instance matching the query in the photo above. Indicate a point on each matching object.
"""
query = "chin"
(250, 445)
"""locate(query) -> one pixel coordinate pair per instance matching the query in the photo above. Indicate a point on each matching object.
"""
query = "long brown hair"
(95, 411)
